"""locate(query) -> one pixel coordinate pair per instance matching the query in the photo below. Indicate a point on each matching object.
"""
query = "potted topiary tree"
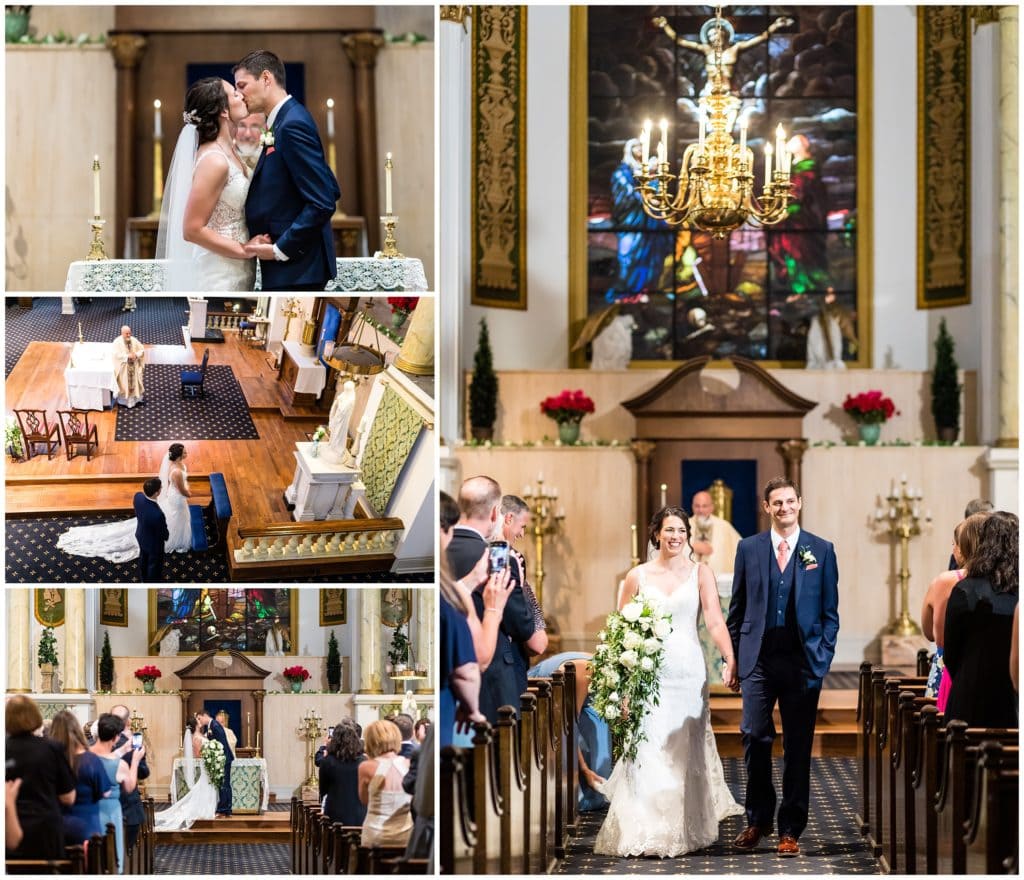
(333, 665)
(106, 665)
(47, 658)
(398, 652)
(945, 387)
(483, 389)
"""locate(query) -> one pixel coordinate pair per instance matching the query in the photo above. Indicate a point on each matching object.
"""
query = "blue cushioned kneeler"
(199, 542)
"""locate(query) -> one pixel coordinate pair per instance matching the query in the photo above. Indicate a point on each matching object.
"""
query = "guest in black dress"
(339, 775)
(46, 782)
(979, 624)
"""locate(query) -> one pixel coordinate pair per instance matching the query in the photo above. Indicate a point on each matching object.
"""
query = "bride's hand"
(729, 676)
(593, 780)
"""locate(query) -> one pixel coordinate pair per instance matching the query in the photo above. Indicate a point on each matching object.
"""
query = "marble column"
(792, 452)
(416, 356)
(369, 641)
(424, 647)
(1009, 206)
(19, 642)
(361, 49)
(74, 640)
(127, 50)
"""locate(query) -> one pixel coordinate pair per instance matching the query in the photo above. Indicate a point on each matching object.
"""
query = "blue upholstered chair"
(192, 380)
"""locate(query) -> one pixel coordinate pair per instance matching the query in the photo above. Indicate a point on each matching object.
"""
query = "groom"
(150, 531)
(214, 730)
(293, 191)
(783, 620)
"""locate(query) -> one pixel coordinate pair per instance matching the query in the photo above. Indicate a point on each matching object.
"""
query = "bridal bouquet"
(212, 754)
(624, 684)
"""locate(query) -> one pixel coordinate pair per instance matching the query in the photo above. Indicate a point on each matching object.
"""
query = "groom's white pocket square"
(811, 567)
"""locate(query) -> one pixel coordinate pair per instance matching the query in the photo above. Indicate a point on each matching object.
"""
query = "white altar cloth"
(312, 375)
(89, 377)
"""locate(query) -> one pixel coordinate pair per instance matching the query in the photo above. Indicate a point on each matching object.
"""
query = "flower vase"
(398, 319)
(568, 432)
(869, 432)
(15, 24)
(296, 687)
(316, 449)
(149, 685)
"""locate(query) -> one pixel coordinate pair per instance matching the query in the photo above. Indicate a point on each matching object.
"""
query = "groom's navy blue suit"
(216, 731)
(783, 626)
(292, 197)
(151, 534)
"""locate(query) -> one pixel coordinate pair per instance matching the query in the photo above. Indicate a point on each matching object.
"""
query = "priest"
(714, 539)
(128, 355)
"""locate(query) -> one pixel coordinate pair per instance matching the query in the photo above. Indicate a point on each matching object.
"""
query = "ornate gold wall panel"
(943, 156)
(499, 157)
(395, 429)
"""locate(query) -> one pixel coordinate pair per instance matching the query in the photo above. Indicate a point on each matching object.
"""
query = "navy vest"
(781, 612)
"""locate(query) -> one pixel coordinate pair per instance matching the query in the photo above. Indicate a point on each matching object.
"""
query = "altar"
(322, 489)
(355, 275)
(250, 783)
(302, 373)
(89, 378)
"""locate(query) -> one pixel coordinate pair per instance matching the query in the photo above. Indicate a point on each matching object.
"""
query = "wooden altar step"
(835, 731)
(271, 827)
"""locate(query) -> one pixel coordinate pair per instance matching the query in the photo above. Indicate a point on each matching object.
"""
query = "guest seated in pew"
(594, 739)
(339, 775)
(421, 841)
(388, 820)
(978, 626)
(405, 724)
(420, 729)
(966, 537)
(46, 782)
(82, 818)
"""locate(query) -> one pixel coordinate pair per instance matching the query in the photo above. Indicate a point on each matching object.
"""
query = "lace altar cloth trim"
(248, 777)
(356, 274)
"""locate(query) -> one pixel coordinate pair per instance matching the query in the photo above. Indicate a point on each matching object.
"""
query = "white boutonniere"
(807, 559)
(267, 138)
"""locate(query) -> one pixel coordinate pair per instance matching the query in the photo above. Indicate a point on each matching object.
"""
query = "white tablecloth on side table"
(312, 375)
(89, 377)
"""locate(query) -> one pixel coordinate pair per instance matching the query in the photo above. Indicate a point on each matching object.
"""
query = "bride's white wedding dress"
(199, 803)
(116, 542)
(670, 799)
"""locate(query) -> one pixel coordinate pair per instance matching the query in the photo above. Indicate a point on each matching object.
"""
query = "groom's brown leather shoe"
(749, 838)
(788, 846)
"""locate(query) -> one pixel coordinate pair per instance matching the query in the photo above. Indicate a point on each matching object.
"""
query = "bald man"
(127, 354)
(714, 540)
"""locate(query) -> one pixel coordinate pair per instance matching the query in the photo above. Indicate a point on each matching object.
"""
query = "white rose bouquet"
(212, 753)
(624, 683)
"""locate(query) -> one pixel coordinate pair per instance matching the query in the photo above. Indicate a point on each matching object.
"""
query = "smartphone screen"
(498, 557)
(330, 732)
(136, 740)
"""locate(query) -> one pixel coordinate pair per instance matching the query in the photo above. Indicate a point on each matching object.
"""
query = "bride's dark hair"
(656, 522)
(174, 453)
(205, 101)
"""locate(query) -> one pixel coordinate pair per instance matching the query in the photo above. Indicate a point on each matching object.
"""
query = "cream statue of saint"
(341, 415)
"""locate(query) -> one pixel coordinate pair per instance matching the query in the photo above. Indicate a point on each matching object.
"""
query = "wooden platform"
(269, 828)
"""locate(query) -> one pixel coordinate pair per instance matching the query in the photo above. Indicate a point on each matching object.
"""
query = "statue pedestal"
(902, 650)
(320, 489)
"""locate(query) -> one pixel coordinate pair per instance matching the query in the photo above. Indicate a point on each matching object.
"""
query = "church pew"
(565, 752)
(545, 778)
(530, 760)
(514, 848)
(370, 859)
(101, 854)
(72, 863)
(991, 832)
(924, 662)
(343, 841)
(293, 823)
(954, 802)
(864, 743)
(929, 727)
(455, 800)
(902, 843)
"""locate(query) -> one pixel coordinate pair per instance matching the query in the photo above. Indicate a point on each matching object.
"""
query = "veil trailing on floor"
(170, 241)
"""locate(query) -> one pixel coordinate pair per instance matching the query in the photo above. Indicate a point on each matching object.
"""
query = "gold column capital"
(792, 450)
(454, 14)
(127, 50)
(362, 48)
(643, 449)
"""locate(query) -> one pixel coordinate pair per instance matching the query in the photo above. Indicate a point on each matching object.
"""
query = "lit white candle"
(663, 145)
(767, 164)
(540, 477)
(330, 117)
(664, 490)
(158, 131)
(780, 145)
(526, 491)
(96, 186)
(743, 139)
(554, 492)
(634, 545)
(387, 185)
(878, 513)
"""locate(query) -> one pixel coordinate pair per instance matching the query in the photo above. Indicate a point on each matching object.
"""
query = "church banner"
(943, 156)
(49, 606)
(499, 157)
(332, 607)
(113, 607)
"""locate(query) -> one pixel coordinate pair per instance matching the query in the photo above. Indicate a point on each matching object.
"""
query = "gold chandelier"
(715, 190)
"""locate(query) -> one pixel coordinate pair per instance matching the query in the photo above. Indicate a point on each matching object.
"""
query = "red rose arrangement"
(148, 673)
(403, 304)
(296, 673)
(869, 407)
(569, 406)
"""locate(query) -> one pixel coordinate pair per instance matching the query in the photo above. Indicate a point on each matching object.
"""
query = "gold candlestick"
(903, 521)
(310, 730)
(390, 248)
(158, 177)
(96, 251)
(81, 338)
(545, 521)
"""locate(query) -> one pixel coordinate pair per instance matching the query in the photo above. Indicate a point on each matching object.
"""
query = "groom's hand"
(260, 246)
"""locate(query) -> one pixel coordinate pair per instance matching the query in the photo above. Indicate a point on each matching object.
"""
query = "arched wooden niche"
(698, 414)
(226, 676)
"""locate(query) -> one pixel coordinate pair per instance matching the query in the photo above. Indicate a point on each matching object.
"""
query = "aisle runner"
(222, 415)
(215, 860)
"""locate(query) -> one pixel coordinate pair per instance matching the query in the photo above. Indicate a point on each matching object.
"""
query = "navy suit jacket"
(151, 526)
(216, 731)
(292, 196)
(816, 600)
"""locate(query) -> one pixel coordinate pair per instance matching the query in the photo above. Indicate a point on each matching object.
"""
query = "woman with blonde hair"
(388, 818)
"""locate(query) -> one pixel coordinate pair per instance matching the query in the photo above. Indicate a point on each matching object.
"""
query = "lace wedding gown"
(116, 542)
(199, 803)
(670, 799)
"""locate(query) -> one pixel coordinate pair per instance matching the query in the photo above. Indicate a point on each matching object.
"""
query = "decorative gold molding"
(127, 50)
(980, 15)
(456, 14)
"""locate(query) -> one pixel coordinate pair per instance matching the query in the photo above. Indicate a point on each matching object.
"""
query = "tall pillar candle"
(387, 185)
(96, 186)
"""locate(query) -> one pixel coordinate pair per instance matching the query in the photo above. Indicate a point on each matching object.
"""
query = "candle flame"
(330, 103)
(388, 156)
(157, 104)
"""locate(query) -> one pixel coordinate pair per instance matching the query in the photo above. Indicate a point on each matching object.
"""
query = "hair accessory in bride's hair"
(190, 117)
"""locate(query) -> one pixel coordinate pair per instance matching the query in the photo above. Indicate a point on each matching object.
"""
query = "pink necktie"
(783, 548)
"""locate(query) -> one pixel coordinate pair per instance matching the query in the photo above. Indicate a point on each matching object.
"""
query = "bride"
(202, 233)
(116, 541)
(201, 800)
(670, 799)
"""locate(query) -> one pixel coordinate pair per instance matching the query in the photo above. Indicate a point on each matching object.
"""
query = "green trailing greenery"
(12, 437)
(483, 389)
(383, 329)
(398, 653)
(945, 388)
(48, 647)
(106, 664)
(333, 665)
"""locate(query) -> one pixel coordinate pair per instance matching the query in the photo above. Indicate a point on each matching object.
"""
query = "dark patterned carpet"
(831, 843)
(32, 557)
(213, 860)
(155, 321)
(222, 414)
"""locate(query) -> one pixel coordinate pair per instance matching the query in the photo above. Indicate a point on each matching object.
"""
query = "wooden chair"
(36, 428)
(192, 380)
(74, 425)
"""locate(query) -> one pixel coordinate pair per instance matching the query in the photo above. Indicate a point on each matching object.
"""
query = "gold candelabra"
(81, 338)
(902, 520)
(715, 189)
(545, 521)
(96, 251)
(310, 730)
(291, 309)
(389, 251)
(158, 177)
